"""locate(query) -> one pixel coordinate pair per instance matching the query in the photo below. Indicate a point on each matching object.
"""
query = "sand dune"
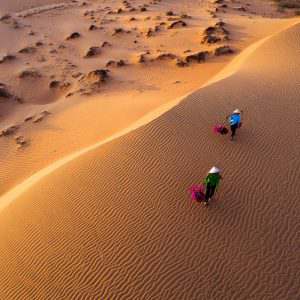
(149, 64)
(117, 223)
(229, 70)
(19, 5)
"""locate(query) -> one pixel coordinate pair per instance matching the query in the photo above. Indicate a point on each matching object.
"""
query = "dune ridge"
(66, 60)
(228, 71)
(31, 5)
(40, 9)
(117, 223)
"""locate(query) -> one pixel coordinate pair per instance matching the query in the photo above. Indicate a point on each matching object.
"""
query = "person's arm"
(220, 177)
(205, 180)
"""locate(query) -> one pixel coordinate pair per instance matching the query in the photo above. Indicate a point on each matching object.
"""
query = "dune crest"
(117, 222)
(228, 71)
(96, 67)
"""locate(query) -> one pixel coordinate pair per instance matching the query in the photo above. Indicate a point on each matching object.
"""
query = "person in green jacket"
(211, 181)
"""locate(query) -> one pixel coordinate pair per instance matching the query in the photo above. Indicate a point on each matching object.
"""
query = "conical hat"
(237, 111)
(214, 170)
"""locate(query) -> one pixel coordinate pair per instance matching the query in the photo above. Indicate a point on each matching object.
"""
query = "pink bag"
(197, 192)
(221, 129)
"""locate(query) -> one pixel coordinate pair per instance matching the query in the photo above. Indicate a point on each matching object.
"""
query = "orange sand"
(96, 205)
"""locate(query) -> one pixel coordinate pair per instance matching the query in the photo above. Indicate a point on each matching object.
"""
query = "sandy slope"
(117, 222)
(20, 5)
(80, 120)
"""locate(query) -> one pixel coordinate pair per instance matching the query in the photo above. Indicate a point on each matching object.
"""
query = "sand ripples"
(117, 222)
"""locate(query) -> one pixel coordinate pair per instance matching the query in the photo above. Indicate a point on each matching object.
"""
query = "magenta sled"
(197, 192)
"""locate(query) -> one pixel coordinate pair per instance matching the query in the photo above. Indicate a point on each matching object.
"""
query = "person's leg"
(233, 130)
(212, 191)
(207, 192)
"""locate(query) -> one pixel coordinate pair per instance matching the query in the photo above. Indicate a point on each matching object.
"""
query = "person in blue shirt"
(234, 121)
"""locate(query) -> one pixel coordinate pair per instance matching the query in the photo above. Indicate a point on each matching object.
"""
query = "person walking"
(211, 181)
(234, 121)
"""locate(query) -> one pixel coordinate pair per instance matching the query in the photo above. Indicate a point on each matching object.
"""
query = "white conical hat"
(214, 170)
(237, 111)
